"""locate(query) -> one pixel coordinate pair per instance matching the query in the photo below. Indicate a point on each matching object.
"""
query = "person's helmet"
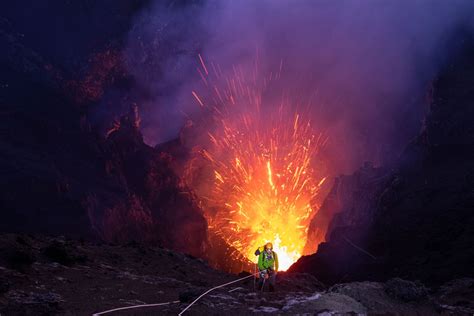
(269, 245)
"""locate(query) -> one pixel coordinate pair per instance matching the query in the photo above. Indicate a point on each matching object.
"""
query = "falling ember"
(197, 98)
(203, 64)
(261, 158)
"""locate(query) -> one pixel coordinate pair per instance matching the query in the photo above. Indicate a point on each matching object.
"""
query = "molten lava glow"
(261, 160)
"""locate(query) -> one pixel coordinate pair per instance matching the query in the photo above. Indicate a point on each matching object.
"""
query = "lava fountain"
(260, 157)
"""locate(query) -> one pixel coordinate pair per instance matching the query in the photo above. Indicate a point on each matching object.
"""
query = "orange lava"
(261, 157)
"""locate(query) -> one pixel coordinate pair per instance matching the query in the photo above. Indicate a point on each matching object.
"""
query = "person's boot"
(259, 286)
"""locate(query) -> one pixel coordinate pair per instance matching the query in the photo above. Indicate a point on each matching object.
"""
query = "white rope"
(235, 289)
(174, 302)
(134, 306)
(219, 286)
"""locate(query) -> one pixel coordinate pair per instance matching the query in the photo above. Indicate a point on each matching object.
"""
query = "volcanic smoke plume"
(282, 95)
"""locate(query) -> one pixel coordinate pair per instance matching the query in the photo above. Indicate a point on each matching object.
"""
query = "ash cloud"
(369, 63)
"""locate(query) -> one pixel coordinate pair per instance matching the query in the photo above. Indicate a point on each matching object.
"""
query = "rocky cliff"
(414, 220)
(59, 173)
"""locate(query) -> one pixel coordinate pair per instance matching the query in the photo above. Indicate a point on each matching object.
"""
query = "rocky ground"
(58, 276)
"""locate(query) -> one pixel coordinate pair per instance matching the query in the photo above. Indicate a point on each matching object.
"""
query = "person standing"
(267, 266)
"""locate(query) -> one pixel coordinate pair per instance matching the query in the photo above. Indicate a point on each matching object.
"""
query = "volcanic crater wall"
(60, 173)
(413, 220)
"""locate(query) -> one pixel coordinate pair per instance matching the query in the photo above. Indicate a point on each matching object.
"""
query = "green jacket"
(265, 263)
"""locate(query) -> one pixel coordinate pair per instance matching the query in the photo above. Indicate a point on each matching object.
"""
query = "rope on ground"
(214, 288)
(360, 249)
(134, 306)
(175, 302)
(234, 289)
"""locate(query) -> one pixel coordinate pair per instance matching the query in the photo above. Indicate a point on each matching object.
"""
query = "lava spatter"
(261, 156)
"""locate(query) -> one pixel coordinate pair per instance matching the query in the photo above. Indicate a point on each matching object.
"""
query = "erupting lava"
(261, 157)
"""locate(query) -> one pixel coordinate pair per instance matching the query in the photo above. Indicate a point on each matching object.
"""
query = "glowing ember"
(261, 159)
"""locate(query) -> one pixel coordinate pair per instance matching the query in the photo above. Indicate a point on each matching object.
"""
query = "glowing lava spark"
(261, 159)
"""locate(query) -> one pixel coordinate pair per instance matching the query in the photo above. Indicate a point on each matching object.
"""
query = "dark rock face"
(47, 161)
(159, 210)
(350, 202)
(342, 223)
(59, 175)
(416, 221)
